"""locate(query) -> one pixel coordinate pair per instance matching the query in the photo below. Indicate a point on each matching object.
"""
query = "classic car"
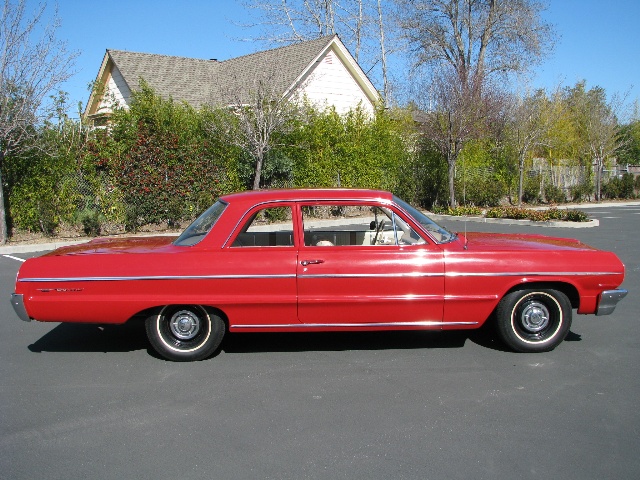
(320, 260)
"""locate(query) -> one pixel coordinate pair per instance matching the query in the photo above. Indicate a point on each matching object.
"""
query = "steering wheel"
(378, 229)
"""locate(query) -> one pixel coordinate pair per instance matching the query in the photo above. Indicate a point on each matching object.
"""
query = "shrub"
(91, 221)
(554, 194)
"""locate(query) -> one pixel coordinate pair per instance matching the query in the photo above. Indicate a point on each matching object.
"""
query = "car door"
(356, 271)
(261, 254)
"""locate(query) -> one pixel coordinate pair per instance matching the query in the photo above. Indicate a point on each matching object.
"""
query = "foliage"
(552, 214)
(458, 211)
(619, 187)
(33, 63)
(352, 150)
(554, 194)
(161, 158)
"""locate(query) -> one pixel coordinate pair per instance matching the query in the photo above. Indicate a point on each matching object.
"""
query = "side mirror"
(372, 225)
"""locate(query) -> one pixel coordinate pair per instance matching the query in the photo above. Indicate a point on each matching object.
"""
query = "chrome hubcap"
(535, 317)
(185, 324)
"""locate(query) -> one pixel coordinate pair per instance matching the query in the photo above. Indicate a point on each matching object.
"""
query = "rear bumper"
(17, 302)
(608, 301)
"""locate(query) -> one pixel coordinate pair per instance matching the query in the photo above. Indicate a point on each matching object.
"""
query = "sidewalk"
(42, 247)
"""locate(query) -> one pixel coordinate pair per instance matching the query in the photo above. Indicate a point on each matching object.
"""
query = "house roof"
(200, 82)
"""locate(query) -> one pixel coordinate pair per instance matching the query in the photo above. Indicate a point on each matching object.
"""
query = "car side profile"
(321, 260)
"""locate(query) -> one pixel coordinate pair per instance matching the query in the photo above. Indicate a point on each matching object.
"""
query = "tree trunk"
(256, 179)
(521, 181)
(3, 213)
(452, 177)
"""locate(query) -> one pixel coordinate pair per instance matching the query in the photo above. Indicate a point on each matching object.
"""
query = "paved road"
(91, 402)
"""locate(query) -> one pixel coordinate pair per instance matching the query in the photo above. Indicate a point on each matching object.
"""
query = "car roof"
(308, 194)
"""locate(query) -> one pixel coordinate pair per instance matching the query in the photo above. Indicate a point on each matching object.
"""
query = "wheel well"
(143, 314)
(569, 290)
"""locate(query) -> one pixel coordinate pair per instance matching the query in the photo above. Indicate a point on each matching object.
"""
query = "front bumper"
(17, 302)
(608, 301)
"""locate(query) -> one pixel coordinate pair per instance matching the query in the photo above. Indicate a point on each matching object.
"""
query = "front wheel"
(185, 332)
(534, 320)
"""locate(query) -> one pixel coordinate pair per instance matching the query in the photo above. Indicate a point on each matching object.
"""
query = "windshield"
(441, 234)
(201, 225)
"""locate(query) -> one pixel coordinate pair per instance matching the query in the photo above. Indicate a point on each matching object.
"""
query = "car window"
(355, 225)
(441, 234)
(268, 227)
(201, 225)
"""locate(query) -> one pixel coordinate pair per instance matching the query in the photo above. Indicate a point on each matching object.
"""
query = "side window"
(348, 225)
(269, 227)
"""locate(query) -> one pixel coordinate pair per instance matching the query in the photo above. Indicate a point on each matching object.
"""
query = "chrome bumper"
(608, 301)
(17, 302)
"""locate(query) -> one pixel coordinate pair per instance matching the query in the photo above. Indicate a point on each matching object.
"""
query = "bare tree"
(476, 38)
(362, 25)
(258, 114)
(602, 130)
(532, 119)
(458, 112)
(33, 63)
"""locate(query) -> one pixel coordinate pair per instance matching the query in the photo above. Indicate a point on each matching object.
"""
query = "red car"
(321, 260)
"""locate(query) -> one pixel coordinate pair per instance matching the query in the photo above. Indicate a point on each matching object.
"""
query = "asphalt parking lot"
(85, 401)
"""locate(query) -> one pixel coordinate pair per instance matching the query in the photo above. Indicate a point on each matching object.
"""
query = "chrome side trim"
(425, 323)
(302, 275)
(17, 302)
(608, 301)
(526, 274)
(370, 275)
(152, 277)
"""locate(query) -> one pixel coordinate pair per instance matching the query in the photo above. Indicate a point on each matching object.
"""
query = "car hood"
(117, 245)
(516, 241)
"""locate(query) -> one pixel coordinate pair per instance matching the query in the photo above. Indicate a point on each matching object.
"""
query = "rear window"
(201, 225)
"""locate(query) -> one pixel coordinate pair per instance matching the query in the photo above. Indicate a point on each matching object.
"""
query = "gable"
(331, 83)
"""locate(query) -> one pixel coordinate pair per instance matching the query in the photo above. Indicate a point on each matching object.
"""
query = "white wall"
(332, 84)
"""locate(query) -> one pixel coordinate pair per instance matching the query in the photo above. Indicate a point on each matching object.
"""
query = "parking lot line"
(14, 258)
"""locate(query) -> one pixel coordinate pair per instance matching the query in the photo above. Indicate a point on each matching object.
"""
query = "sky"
(599, 41)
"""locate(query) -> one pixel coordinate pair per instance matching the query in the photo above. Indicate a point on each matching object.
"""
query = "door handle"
(304, 263)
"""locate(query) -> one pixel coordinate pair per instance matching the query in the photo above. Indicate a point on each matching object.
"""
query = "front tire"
(185, 333)
(534, 320)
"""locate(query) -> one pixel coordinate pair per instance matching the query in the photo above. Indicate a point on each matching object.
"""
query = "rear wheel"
(185, 332)
(534, 320)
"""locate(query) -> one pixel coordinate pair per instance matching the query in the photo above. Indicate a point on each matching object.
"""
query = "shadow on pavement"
(73, 337)
(69, 337)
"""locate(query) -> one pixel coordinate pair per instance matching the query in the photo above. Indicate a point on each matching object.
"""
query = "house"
(321, 70)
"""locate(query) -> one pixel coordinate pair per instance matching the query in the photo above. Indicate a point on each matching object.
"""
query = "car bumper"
(608, 301)
(17, 301)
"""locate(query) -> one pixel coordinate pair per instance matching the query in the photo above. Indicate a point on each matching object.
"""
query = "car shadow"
(73, 337)
(340, 341)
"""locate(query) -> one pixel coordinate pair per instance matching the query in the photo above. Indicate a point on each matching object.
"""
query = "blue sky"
(599, 41)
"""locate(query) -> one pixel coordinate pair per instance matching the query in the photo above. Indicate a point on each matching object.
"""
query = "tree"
(258, 115)
(31, 67)
(459, 112)
(478, 39)
(360, 24)
(473, 42)
(532, 118)
(597, 123)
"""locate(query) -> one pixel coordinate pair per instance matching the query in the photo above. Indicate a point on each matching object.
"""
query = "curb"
(510, 221)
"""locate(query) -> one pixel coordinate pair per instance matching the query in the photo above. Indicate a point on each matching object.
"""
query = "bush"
(553, 194)
(581, 192)
(91, 221)
(531, 189)
(619, 187)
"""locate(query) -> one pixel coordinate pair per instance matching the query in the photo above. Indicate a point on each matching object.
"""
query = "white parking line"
(14, 258)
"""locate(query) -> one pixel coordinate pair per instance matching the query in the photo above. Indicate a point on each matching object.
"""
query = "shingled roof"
(211, 82)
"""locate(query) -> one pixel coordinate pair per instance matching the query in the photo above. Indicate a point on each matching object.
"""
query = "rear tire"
(533, 320)
(184, 333)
